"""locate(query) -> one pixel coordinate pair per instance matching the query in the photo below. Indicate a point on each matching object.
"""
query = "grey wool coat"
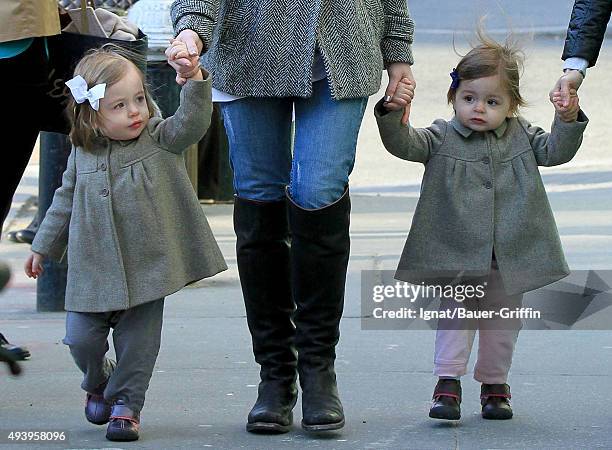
(265, 48)
(129, 217)
(482, 192)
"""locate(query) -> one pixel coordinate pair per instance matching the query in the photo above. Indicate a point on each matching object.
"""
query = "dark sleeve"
(586, 29)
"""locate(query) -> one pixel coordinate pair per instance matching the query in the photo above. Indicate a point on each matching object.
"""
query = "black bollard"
(215, 183)
(161, 78)
(54, 151)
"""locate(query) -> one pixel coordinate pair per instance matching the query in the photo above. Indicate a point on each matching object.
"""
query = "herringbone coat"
(482, 191)
(265, 48)
(128, 214)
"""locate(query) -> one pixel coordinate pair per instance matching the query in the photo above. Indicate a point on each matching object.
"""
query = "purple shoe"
(97, 410)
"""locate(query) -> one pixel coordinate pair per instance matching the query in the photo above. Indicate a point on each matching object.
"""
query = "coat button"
(488, 185)
(486, 160)
(104, 192)
(103, 167)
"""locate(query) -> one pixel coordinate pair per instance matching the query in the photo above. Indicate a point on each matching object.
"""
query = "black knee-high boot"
(262, 250)
(320, 247)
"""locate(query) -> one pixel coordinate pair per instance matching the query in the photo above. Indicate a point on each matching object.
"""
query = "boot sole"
(323, 426)
(120, 437)
(97, 422)
(267, 428)
(444, 414)
(497, 416)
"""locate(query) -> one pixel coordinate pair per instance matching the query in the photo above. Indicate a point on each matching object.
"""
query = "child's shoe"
(124, 423)
(446, 400)
(97, 410)
(495, 401)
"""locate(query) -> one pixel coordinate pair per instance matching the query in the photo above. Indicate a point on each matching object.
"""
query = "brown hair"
(490, 58)
(106, 64)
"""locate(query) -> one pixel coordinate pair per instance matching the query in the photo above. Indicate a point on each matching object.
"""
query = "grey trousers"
(136, 337)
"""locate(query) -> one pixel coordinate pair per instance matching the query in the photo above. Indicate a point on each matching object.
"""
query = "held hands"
(404, 93)
(400, 91)
(178, 51)
(184, 54)
(33, 266)
(569, 112)
(572, 79)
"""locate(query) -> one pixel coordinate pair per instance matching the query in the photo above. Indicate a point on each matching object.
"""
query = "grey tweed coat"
(265, 48)
(482, 191)
(128, 214)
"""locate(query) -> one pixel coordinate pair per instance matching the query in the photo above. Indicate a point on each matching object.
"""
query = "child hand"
(567, 113)
(178, 53)
(403, 96)
(33, 266)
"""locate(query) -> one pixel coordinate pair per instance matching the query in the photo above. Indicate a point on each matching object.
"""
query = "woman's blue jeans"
(259, 135)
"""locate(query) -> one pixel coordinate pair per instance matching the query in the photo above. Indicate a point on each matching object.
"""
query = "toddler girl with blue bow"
(483, 212)
(130, 224)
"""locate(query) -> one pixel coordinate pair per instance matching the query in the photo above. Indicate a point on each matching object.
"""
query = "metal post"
(54, 151)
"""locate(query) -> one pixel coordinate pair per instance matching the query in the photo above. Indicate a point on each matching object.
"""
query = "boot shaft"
(320, 246)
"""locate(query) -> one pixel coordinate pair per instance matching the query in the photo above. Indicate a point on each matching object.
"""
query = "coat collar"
(466, 132)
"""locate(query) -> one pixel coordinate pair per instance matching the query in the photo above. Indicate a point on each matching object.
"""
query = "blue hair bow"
(455, 76)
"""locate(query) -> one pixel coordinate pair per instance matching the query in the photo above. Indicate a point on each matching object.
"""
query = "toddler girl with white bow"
(132, 226)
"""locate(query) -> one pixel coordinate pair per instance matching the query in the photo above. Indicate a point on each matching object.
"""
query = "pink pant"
(497, 336)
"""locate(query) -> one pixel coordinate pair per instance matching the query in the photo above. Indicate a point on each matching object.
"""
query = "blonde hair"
(490, 58)
(107, 64)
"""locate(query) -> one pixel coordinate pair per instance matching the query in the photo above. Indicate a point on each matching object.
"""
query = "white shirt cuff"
(576, 64)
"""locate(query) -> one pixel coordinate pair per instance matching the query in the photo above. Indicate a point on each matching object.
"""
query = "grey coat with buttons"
(482, 192)
(129, 217)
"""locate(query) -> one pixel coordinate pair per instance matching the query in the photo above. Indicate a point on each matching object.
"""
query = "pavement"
(205, 378)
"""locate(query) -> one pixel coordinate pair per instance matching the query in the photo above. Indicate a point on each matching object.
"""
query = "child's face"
(123, 110)
(482, 104)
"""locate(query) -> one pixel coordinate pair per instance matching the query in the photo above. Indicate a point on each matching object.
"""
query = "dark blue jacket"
(586, 29)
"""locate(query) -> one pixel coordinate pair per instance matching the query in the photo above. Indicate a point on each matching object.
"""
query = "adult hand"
(404, 93)
(178, 50)
(393, 98)
(572, 79)
(185, 67)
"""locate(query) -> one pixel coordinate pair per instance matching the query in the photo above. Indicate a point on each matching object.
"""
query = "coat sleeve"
(190, 121)
(560, 145)
(586, 30)
(52, 236)
(407, 142)
(396, 44)
(197, 15)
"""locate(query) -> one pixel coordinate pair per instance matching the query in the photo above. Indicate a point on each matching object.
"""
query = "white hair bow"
(78, 88)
